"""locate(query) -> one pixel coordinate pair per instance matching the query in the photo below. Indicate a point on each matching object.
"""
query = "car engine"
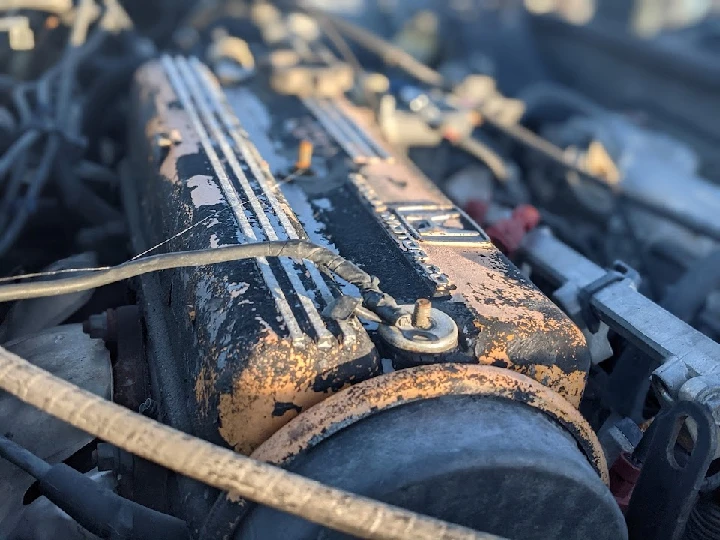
(394, 270)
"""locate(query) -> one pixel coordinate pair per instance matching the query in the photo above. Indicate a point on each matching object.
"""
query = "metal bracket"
(666, 490)
(684, 352)
(620, 272)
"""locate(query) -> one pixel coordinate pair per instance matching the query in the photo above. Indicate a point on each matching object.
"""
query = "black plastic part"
(104, 513)
(666, 490)
(493, 465)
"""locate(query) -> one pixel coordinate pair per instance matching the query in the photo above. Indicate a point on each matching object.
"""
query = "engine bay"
(379, 270)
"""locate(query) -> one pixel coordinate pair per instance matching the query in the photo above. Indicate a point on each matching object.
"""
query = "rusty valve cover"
(250, 338)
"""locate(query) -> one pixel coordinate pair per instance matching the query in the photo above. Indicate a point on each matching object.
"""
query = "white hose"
(51, 6)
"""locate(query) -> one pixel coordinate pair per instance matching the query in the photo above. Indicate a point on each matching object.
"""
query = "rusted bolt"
(421, 314)
(305, 152)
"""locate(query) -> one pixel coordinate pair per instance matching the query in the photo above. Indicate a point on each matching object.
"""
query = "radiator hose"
(224, 469)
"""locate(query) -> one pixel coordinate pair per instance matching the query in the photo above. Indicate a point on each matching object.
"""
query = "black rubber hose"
(686, 298)
(97, 509)
(105, 513)
(22, 458)
(381, 303)
(79, 198)
(704, 521)
(108, 87)
(67, 82)
(42, 173)
(224, 518)
(17, 149)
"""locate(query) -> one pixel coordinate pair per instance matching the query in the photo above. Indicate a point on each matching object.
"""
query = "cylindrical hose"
(22, 458)
(97, 509)
(219, 467)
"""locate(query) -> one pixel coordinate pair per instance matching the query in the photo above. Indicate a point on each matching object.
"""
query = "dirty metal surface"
(377, 209)
(422, 383)
(253, 345)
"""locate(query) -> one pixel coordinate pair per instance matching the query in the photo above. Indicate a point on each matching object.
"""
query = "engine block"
(257, 346)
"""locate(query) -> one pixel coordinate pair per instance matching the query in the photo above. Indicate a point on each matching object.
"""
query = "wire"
(348, 55)
(22, 458)
(40, 178)
(21, 103)
(388, 52)
(182, 232)
(67, 69)
(53, 273)
(483, 153)
(11, 155)
(381, 303)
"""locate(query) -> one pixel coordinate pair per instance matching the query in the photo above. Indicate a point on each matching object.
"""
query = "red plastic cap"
(508, 234)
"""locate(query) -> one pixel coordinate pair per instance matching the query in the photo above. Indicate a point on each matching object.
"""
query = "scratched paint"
(204, 191)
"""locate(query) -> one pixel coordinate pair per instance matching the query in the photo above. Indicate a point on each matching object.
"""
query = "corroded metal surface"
(251, 341)
(504, 320)
(249, 337)
(426, 382)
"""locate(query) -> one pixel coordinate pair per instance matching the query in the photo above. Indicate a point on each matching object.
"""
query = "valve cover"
(252, 348)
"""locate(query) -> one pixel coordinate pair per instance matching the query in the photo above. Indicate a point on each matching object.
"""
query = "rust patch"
(204, 388)
(519, 327)
(426, 382)
(277, 375)
(569, 385)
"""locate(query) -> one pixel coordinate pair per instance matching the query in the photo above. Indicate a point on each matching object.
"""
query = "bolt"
(96, 326)
(305, 152)
(421, 314)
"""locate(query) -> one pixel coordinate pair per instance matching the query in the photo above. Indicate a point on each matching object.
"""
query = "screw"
(421, 314)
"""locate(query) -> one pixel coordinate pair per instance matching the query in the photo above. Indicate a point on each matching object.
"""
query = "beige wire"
(219, 467)
(51, 6)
